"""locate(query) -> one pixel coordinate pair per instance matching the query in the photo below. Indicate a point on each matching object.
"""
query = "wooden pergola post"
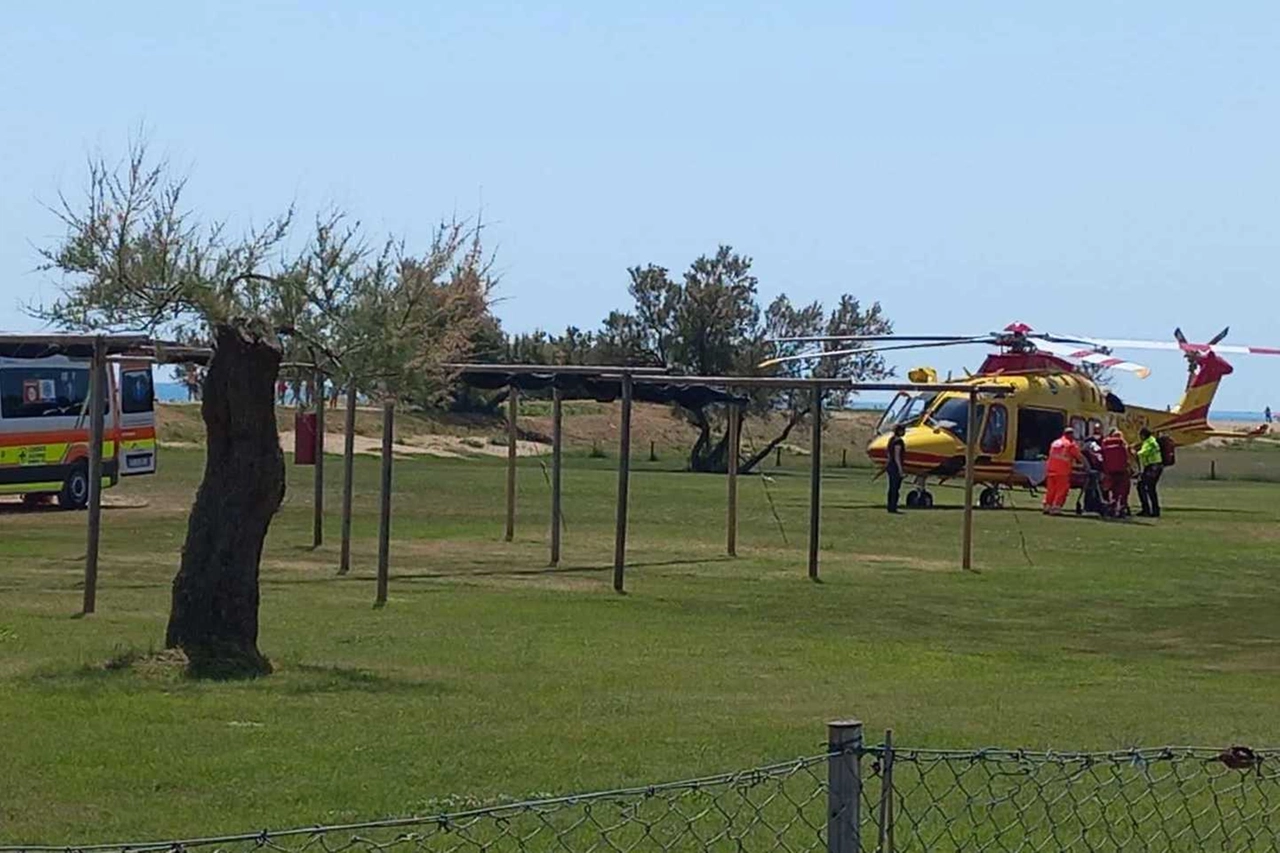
(348, 473)
(557, 434)
(317, 521)
(735, 428)
(97, 427)
(966, 554)
(384, 505)
(815, 483)
(513, 411)
(624, 478)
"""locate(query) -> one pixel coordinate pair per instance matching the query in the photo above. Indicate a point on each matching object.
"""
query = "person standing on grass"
(1063, 455)
(895, 466)
(1115, 467)
(1150, 466)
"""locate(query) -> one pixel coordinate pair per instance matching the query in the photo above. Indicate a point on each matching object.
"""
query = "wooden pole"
(777, 458)
(624, 477)
(735, 429)
(513, 411)
(966, 558)
(317, 522)
(557, 432)
(384, 506)
(815, 483)
(97, 402)
(348, 473)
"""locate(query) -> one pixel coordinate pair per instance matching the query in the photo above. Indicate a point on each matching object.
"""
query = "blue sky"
(1092, 168)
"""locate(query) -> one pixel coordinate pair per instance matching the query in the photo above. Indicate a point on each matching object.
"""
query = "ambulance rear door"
(137, 447)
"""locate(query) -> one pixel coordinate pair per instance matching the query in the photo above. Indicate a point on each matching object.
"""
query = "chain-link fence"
(1169, 799)
(851, 799)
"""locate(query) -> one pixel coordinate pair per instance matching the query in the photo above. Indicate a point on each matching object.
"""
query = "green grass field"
(490, 675)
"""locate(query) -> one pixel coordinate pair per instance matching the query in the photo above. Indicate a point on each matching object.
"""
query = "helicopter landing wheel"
(990, 498)
(919, 499)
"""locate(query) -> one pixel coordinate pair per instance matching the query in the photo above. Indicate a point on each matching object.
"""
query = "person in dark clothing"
(895, 466)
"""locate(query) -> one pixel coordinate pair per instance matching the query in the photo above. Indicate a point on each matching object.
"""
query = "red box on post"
(304, 438)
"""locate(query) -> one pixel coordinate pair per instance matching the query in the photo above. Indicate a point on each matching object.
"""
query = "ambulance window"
(44, 392)
(1078, 426)
(136, 394)
(993, 437)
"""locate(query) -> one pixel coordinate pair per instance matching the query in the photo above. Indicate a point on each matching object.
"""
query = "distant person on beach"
(1266, 414)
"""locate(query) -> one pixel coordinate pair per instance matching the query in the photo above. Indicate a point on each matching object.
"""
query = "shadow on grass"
(304, 679)
(145, 670)
(552, 571)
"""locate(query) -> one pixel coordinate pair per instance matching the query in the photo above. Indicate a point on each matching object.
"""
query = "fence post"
(1213, 469)
(844, 786)
(885, 843)
(653, 451)
(844, 457)
(777, 458)
(97, 402)
(384, 507)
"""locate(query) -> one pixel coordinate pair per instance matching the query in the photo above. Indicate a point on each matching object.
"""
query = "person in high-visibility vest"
(1150, 464)
(1063, 455)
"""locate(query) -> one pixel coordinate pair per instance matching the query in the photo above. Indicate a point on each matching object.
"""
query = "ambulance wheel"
(990, 498)
(75, 489)
(913, 499)
(924, 500)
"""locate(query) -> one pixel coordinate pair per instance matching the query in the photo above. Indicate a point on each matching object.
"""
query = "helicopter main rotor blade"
(1092, 356)
(824, 339)
(842, 353)
(1186, 346)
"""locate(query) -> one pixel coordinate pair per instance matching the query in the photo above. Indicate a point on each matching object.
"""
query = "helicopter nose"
(926, 449)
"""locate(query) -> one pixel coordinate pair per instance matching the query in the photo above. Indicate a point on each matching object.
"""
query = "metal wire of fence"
(850, 799)
(1166, 799)
(778, 807)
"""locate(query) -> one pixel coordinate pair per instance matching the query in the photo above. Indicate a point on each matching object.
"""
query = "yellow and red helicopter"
(1049, 392)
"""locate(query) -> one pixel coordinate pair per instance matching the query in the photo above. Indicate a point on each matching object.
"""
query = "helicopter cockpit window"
(891, 414)
(953, 416)
(905, 409)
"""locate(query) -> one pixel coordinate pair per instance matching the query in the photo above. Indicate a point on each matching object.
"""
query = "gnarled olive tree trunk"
(214, 613)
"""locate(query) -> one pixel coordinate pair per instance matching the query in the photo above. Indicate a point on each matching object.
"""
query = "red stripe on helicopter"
(1199, 413)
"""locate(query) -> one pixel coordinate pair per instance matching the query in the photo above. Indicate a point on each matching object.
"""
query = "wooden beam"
(735, 428)
(97, 403)
(348, 473)
(624, 478)
(384, 505)
(815, 482)
(513, 412)
(557, 434)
